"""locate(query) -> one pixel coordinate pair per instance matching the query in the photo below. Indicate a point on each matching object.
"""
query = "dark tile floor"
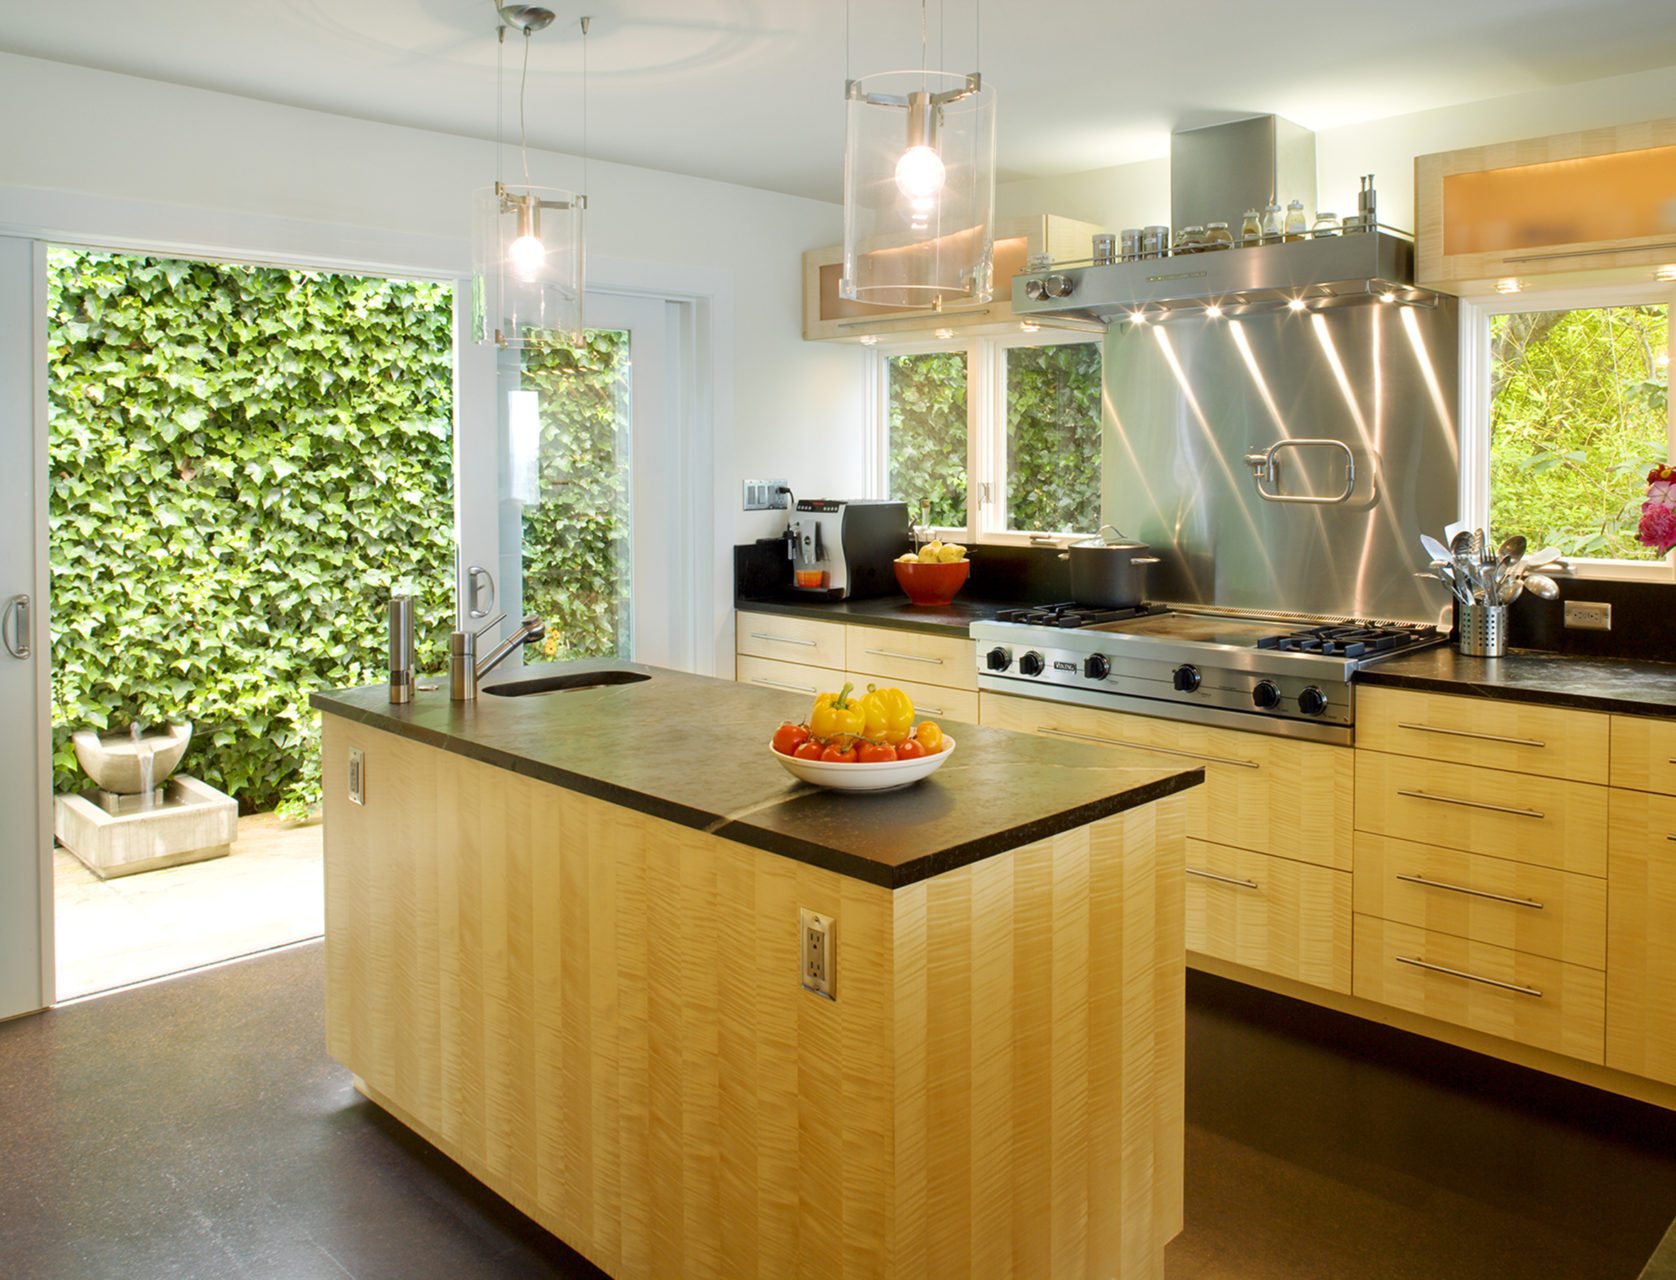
(197, 1129)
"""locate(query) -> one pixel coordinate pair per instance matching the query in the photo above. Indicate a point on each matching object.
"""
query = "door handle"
(14, 626)
(473, 573)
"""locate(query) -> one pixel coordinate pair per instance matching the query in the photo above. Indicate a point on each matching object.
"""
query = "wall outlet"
(357, 776)
(1584, 615)
(765, 495)
(818, 952)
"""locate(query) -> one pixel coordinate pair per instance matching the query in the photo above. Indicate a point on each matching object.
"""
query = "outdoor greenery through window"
(926, 434)
(1038, 450)
(1053, 437)
(1579, 410)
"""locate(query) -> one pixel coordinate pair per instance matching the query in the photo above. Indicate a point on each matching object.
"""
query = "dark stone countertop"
(1627, 686)
(694, 751)
(896, 612)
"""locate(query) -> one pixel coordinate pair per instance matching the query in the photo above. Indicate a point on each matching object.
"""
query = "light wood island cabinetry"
(587, 993)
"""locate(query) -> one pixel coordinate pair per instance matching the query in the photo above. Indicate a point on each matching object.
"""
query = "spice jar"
(1326, 224)
(1217, 236)
(1190, 239)
(1272, 225)
(1295, 222)
(1251, 229)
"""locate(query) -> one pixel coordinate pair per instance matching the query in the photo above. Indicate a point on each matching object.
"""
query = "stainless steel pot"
(1108, 574)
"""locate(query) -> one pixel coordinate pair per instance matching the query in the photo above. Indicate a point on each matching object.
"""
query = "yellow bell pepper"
(837, 715)
(890, 714)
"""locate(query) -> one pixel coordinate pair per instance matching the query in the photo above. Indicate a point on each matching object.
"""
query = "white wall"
(1134, 195)
(118, 160)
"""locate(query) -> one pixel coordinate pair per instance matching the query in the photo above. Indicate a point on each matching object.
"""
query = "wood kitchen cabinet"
(1641, 939)
(829, 317)
(1597, 206)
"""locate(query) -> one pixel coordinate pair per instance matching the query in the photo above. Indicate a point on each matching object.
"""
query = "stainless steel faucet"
(465, 671)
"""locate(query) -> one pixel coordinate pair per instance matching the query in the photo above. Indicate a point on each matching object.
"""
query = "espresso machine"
(843, 549)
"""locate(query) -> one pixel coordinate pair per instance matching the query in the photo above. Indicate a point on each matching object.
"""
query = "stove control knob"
(1058, 286)
(999, 659)
(1031, 664)
(1097, 667)
(1186, 679)
(1266, 695)
(1312, 702)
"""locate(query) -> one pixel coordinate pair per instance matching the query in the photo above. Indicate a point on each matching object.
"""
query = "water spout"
(147, 790)
(135, 730)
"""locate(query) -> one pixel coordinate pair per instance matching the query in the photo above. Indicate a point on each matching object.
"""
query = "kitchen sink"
(559, 684)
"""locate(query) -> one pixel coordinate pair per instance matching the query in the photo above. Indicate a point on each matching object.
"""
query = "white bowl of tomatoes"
(857, 765)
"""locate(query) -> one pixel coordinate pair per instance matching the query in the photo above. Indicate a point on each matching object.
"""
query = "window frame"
(986, 427)
(1475, 315)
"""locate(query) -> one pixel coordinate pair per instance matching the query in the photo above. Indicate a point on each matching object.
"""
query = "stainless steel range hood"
(1217, 173)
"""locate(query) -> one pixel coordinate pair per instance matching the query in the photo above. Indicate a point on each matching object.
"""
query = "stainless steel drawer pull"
(1467, 733)
(1211, 875)
(1473, 804)
(763, 635)
(778, 684)
(1143, 746)
(931, 711)
(1470, 977)
(1476, 893)
(905, 657)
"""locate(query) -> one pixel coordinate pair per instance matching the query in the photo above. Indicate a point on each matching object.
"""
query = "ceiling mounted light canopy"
(527, 259)
(919, 186)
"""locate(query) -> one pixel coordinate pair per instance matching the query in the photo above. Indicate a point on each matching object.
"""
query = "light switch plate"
(765, 495)
(357, 776)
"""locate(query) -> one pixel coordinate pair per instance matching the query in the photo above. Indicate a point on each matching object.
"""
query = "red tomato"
(809, 750)
(835, 754)
(789, 737)
(911, 749)
(876, 752)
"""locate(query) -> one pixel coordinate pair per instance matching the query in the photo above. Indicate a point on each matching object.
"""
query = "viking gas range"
(1264, 674)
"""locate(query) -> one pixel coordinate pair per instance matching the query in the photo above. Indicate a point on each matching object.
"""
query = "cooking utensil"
(1108, 574)
(1541, 586)
(1435, 549)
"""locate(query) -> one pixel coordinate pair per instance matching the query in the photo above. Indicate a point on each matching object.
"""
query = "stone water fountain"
(137, 817)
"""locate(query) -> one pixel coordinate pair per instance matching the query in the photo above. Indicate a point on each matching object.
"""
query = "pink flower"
(1658, 526)
(1662, 493)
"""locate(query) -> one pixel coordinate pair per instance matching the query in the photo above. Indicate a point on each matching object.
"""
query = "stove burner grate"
(1070, 614)
(1353, 640)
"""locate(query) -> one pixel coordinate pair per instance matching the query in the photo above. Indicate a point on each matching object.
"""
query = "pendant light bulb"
(526, 255)
(920, 174)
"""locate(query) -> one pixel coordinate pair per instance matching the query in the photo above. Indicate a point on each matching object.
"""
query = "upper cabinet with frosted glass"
(1596, 207)
(829, 316)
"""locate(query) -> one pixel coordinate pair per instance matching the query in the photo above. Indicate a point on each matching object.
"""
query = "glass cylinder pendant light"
(919, 188)
(527, 252)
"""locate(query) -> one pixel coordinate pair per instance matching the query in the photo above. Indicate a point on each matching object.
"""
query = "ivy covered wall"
(243, 461)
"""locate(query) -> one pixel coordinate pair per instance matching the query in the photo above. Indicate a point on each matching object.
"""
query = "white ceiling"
(750, 91)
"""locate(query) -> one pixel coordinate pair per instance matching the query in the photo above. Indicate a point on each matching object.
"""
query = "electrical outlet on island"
(818, 952)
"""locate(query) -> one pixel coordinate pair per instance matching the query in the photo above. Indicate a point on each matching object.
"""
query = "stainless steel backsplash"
(1187, 400)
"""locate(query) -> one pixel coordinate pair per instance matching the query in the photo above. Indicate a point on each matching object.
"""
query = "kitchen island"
(562, 939)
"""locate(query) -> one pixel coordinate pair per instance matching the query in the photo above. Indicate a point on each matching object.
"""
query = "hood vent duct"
(1216, 174)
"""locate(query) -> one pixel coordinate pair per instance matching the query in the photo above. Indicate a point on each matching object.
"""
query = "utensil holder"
(1482, 630)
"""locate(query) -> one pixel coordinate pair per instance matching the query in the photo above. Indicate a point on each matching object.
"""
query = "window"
(1579, 410)
(994, 436)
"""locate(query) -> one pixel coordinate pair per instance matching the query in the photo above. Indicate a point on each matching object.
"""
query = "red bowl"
(932, 583)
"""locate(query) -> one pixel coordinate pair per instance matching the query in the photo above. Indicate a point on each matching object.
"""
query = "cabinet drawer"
(1531, 999)
(912, 655)
(1272, 795)
(1641, 936)
(1644, 753)
(1504, 815)
(1485, 732)
(1535, 910)
(803, 640)
(930, 701)
(792, 677)
(1283, 917)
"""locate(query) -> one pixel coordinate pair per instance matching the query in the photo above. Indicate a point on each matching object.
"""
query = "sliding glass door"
(25, 976)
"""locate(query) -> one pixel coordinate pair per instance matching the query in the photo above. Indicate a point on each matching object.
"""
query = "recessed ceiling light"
(945, 334)
(1509, 285)
(1666, 273)
(1388, 296)
(1137, 317)
(1298, 304)
(1213, 312)
(868, 339)
(1025, 326)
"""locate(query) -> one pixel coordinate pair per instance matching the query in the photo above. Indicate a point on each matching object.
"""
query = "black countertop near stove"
(694, 751)
(896, 612)
(1628, 686)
